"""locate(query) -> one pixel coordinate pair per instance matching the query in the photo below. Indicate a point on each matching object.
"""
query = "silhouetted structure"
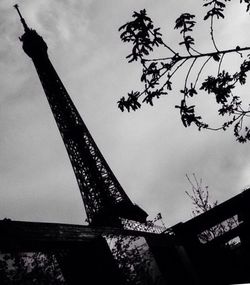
(180, 256)
(104, 199)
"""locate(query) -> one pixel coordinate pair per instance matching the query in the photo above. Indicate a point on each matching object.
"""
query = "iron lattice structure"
(104, 199)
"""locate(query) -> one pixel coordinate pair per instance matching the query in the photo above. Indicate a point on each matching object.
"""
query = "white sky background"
(149, 151)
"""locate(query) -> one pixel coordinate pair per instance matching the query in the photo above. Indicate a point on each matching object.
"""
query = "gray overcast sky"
(149, 151)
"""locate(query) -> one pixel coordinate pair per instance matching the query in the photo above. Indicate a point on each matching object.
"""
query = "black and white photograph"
(125, 142)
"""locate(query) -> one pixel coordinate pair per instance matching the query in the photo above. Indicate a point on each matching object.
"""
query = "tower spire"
(25, 26)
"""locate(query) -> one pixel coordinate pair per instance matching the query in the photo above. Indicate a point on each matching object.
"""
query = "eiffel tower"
(105, 201)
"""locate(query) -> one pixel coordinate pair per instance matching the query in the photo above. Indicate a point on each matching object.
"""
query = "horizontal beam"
(239, 204)
(33, 235)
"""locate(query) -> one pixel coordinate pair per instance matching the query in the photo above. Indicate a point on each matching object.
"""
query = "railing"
(147, 227)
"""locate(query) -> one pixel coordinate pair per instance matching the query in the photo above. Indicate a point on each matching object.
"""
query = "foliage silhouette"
(201, 200)
(157, 73)
(30, 268)
(134, 260)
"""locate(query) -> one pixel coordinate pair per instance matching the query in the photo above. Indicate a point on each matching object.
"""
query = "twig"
(199, 73)
(200, 55)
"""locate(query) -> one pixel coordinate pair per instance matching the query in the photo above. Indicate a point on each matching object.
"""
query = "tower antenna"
(25, 26)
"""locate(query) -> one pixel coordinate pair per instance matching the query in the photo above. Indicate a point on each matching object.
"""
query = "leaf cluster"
(188, 114)
(221, 86)
(157, 73)
(186, 23)
(217, 9)
(142, 34)
(131, 102)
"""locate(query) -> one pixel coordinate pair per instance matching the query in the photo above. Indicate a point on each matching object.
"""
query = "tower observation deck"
(104, 199)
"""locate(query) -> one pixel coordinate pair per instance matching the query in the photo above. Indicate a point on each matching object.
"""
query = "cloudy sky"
(149, 151)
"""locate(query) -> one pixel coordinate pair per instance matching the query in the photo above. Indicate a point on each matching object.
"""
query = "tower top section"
(33, 44)
(25, 26)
